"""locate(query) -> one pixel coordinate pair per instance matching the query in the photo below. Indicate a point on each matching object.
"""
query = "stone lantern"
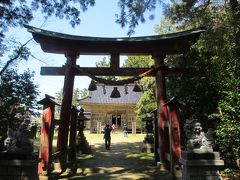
(149, 124)
(148, 142)
(83, 145)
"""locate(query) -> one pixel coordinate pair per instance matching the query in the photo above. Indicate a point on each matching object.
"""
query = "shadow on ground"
(123, 161)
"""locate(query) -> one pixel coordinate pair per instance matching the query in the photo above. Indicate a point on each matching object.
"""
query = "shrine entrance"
(167, 143)
(116, 119)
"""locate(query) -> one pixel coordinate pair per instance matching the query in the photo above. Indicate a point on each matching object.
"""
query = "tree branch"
(19, 52)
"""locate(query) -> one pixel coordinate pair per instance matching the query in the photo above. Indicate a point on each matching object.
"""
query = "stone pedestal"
(201, 165)
(148, 144)
(83, 146)
(18, 166)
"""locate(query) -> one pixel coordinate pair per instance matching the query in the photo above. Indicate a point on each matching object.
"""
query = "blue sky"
(96, 21)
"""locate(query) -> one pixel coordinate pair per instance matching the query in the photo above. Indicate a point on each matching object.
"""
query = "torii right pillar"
(162, 111)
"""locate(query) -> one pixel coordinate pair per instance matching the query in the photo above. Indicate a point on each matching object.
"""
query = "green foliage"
(59, 95)
(76, 97)
(105, 63)
(211, 87)
(16, 13)
(133, 11)
(165, 27)
(138, 61)
(198, 88)
(228, 129)
(147, 102)
(18, 93)
(84, 93)
(228, 171)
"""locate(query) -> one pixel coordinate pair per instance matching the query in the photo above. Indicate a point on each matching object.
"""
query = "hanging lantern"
(104, 89)
(115, 93)
(137, 87)
(126, 88)
(92, 86)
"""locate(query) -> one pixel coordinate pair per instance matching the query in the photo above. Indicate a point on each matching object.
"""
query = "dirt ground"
(123, 161)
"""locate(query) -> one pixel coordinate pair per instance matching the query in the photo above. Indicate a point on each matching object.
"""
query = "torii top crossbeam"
(174, 43)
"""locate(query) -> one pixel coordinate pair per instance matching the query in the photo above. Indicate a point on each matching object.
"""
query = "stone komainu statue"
(197, 139)
(20, 140)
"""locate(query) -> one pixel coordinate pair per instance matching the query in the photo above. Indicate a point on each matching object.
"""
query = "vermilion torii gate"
(73, 46)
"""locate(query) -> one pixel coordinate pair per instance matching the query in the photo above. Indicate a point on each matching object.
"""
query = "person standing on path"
(113, 128)
(125, 131)
(107, 136)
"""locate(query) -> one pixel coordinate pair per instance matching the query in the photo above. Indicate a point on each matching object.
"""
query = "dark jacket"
(125, 128)
(107, 132)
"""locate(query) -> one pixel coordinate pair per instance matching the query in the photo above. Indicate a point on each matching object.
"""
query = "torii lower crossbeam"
(101, 71)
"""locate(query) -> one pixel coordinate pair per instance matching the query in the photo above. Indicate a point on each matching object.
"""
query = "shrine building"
(104, 109)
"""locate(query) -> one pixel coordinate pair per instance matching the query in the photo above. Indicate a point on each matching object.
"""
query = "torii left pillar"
(66, 106)
(162, 112)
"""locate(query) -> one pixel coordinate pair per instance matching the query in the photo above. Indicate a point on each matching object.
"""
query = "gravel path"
(123, 161)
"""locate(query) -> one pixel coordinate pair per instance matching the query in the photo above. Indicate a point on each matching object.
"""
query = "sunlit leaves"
(147, 102)
(132, 12)
(228, 130)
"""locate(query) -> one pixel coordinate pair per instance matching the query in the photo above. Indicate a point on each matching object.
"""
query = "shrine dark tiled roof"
(102, 95)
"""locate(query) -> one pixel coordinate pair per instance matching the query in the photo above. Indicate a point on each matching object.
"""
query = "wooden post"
(47, 130)
(134, 128)
(156, 143)
(114, 61)
(99, 127)
(161, 109)
(174, 137)
(73, 133)
(66, 106)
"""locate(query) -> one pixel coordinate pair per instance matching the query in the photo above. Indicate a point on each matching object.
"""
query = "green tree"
(59, 95)
(76, 96)
(165, 27)
(84, 93)
(228, 129)
(211, 87)
(105, 63)
(18, 93)
(132, 12)
(138, 61)
(147, 102)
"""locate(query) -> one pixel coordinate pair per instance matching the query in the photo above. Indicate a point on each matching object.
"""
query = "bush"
(228, 129)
